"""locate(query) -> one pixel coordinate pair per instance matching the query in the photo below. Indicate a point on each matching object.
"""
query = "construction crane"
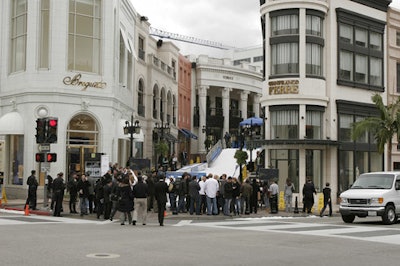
(188, 39)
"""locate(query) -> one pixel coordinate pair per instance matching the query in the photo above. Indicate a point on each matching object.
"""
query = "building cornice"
(381, 5)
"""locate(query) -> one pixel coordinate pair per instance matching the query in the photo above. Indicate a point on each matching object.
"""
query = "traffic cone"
(165, 213)
(1, 203)
(26, 210)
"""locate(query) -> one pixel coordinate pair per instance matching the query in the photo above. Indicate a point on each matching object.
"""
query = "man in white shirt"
(274, 190)
(202, 192)
(211, 189)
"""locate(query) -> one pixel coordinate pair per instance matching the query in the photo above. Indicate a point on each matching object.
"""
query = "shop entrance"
(82, 145)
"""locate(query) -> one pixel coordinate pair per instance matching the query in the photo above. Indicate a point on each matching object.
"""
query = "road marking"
(18, 217)
(183, 223)
(355, 232)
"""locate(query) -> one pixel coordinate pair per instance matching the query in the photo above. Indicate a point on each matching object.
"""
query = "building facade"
(393, 68)
(223, 94)
(324, 61)
(92, 65)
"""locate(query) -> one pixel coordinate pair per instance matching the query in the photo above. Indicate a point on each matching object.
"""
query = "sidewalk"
(19, 205)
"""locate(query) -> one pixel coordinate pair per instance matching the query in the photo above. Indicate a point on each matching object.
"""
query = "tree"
(241, 157)
(383, 127)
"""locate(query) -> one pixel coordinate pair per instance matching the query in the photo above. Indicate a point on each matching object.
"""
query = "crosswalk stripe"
(355, 232)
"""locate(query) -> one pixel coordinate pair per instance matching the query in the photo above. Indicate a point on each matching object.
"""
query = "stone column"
(225, 107)
(202, 91)
(244, 95)
(256, 104)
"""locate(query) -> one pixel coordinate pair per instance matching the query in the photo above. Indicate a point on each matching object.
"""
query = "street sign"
(44, 147)
(45, 167)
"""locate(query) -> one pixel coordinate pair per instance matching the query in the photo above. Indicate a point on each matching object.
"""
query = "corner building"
(84, 62)
(324, 59)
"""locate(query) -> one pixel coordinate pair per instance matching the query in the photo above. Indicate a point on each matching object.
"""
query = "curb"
(37, 212)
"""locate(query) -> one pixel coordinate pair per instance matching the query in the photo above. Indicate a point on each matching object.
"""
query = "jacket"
(125, 194)
(194, 189)
(140, 190)
(160, 192)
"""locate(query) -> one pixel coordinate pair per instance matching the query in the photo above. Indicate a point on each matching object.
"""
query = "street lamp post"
(131, 128)
(159, 130)
(248, 132)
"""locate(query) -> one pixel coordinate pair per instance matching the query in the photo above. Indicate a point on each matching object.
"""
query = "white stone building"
(91, 64)
(324, 61)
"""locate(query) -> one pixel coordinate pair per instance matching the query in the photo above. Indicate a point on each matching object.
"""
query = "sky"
(221, 21)
(232, 23)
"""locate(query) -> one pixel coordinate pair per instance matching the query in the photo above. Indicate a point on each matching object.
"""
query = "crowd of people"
(133, 194)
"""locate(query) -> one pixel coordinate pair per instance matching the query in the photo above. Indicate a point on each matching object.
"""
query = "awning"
(120, 129)
(170, 138)
(11, 124)
(188, 134)
(128, 47)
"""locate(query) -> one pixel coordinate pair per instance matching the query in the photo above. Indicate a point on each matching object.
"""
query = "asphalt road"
(47, 240)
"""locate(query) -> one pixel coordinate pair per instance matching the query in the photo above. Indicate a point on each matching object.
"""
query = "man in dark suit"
(58, 193)
(32, 189)
(160, 193)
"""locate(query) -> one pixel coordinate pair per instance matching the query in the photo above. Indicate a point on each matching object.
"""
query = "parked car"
(372, 194)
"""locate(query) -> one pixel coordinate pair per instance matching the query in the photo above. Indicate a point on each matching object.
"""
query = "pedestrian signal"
(51, 157)
(39, 157)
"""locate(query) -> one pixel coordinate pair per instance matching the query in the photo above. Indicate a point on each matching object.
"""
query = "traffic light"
(41, 130)
(39, 157)
(51, 157)
(51, 133)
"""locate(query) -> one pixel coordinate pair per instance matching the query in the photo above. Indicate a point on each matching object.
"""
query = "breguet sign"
(283, 87)
(76, 81)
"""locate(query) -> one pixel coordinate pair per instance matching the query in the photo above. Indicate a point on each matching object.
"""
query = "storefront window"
(314, 124)
(16, 162)
(346, 174)
(287, 161)
(345, 122)
(285, 124)
(314, 168)
(376, 162)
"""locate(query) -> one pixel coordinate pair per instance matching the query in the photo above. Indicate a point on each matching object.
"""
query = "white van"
(372, 194)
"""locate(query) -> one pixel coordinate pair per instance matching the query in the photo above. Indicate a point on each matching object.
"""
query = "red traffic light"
(51, 157)
(51, 133)
(53, 122)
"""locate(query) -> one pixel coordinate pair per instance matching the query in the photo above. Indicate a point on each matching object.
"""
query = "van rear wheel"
(389, 217)
(348, 218)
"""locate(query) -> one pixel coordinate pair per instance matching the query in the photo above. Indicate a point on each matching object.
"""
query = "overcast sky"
(233, 23)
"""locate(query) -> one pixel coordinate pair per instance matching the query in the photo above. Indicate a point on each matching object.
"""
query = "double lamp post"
(131, 128)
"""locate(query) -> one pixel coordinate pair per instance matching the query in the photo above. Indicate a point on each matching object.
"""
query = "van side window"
(397, 184)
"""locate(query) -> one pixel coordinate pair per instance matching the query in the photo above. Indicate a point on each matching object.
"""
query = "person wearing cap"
(327, 199)
(160, 192)
(58, 193)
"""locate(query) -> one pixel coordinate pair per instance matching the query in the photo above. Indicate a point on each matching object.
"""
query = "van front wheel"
(348, 218)
(389, 217)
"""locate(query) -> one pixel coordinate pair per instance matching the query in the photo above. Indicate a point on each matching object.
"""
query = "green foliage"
(162, 148)
(241, 157)
(383, 127)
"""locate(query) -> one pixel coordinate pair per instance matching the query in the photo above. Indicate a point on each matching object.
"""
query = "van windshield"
(375, 181)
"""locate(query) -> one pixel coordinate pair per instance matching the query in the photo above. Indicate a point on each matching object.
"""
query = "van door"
(397, 194)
